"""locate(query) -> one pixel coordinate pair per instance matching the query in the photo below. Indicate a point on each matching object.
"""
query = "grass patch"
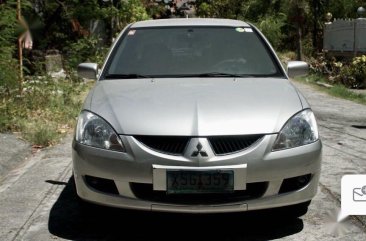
(40, 134)
(336, 90)
(45, 112)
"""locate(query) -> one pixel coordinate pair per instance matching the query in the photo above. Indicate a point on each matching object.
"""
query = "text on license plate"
(212, 181)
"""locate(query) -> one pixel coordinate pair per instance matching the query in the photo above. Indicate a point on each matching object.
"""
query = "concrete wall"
(345, 35)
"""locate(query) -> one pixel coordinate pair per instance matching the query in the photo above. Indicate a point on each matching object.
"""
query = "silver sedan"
(197, 116)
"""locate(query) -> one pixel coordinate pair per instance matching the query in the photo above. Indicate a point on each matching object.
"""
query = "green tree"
(343, 8)
(8, 63)
(271, 26)
(64, 25)
(131, 11)
(9, 32)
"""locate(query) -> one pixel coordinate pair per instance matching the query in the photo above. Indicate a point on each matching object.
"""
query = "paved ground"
(14, 153)
(37, 201)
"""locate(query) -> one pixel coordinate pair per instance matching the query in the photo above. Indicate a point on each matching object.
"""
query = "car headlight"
(94, 131)
(300, 130)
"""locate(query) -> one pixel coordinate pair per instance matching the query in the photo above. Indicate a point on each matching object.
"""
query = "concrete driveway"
(37, 200)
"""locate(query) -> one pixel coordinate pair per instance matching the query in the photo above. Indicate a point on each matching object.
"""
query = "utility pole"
(20, 48)
(299, 20)
(315, 26)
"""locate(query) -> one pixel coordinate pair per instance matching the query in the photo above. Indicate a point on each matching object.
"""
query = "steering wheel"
(230, 66)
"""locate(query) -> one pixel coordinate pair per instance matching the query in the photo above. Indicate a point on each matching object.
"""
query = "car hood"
(195, 106)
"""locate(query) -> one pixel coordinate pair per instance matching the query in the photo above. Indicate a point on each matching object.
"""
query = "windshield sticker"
(131, 32)
(242, 30)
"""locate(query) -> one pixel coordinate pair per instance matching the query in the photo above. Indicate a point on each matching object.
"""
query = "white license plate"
(193, 181)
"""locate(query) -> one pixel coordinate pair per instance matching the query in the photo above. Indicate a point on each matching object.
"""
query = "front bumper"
(136, 168)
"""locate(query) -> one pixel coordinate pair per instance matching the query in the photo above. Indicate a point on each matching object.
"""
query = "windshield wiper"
(126, 76)
(220, 74)
(210, 74)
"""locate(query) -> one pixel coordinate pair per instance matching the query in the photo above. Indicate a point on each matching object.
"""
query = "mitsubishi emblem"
(199, 151)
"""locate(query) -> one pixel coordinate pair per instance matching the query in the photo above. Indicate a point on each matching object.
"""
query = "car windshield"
(191, 52)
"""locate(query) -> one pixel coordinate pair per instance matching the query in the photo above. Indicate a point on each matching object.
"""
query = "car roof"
(190, 22)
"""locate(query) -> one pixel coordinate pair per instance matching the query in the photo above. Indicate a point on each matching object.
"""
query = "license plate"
(215, 181)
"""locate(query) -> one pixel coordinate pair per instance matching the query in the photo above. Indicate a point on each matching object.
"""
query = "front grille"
(174, 145)
(146, 192)
(223, 145)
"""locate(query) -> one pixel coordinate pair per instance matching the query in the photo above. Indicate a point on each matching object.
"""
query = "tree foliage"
(281, 19)
(8, 37)
(64, 24)
(271, 27)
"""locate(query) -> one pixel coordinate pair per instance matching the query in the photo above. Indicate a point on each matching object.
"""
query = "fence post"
(355, 38)
(360, 12)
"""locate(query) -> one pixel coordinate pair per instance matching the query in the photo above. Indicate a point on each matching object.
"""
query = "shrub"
(40, 134)
(8, 64)
(85, 49)
(350, 73)
(46, 110)
(353, 75)
(271, 27)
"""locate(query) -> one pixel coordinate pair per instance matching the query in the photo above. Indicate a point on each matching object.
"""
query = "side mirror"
(297, 68)
(88, 70)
